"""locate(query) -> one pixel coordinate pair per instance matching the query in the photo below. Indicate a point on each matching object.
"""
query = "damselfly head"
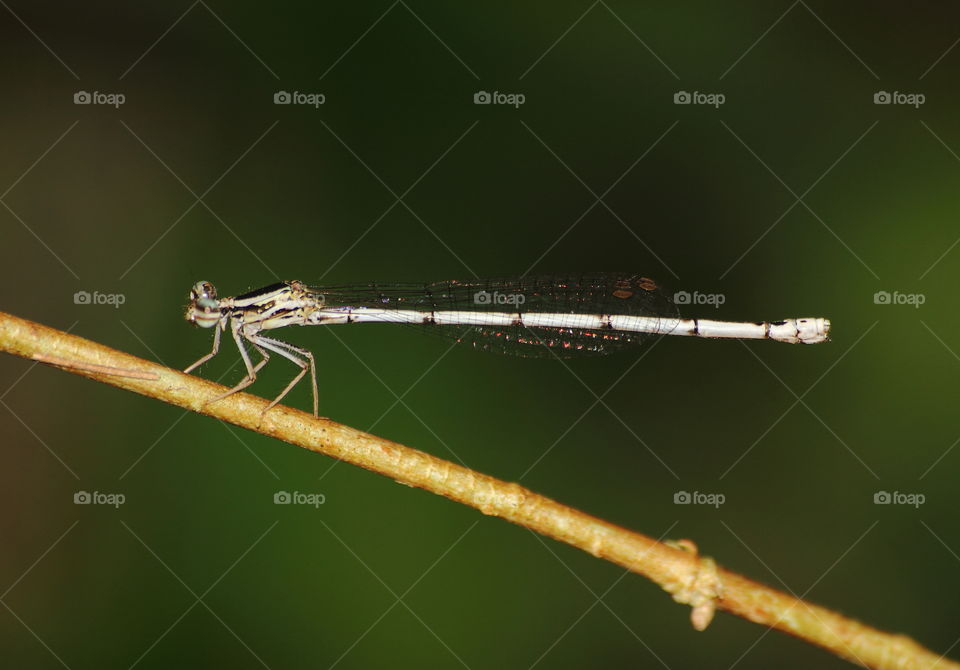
(203, 309)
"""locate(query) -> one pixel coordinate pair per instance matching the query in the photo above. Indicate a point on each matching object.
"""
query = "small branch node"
(703, 588)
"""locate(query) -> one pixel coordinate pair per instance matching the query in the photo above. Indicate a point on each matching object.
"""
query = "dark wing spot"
(647, 284)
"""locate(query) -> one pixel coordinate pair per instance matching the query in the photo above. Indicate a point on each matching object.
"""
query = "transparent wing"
(576, 295)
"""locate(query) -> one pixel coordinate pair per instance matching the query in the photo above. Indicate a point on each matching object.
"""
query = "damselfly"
(554, 316)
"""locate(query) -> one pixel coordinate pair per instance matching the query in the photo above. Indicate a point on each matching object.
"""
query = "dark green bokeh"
(296, 192)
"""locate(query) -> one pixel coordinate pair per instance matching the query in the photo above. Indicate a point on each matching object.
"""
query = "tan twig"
(90, 367)
(676, 567)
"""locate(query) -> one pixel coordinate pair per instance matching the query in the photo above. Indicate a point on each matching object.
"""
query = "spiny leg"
(263, 361)
(213, 352)
(246, 380)
(288, 351)
(251, 370)
(313, 372)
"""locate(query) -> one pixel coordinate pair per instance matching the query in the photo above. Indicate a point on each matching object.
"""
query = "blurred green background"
(199, 567)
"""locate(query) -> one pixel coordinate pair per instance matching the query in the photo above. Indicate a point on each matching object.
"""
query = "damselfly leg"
(213, 352)
(262, 345)
(289, 352)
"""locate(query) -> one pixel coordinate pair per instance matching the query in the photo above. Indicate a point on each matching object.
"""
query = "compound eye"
(204, 312)
(203, 289)
(204, 309)
(209, 306)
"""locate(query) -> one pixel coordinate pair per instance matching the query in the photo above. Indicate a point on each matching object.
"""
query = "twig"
(90, 367)
(675, 566)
